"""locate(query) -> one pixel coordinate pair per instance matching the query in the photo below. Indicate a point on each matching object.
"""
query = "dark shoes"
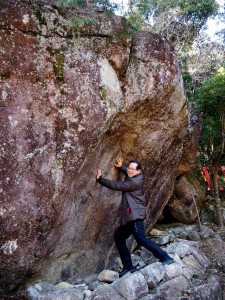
(167, 261)
(131, 269)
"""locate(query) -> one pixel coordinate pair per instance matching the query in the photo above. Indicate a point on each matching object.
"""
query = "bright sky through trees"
(213, 25)
(216, 24)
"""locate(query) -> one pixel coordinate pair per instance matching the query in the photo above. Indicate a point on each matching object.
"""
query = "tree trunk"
(217, 199)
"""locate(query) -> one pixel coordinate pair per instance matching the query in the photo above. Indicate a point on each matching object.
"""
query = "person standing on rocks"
(133, 214)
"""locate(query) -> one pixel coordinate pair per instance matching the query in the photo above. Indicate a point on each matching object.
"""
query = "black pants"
(136, 228)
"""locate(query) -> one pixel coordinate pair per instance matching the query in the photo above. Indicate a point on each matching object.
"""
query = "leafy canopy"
(211, 102)
(178, 20)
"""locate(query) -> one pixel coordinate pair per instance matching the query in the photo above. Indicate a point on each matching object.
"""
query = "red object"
(128, 210)
(222, 168)
(207, 177)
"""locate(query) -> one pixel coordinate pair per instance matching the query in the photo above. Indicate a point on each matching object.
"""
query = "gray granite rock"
(193, 265)
(173, 287)
(173, 270)
(106, 293)
(210, 291)
(131, 286)
(153, 274)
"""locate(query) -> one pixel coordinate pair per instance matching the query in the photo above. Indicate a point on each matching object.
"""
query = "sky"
(213, 25)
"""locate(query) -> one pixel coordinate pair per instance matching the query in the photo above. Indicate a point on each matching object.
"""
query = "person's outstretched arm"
(126, 186)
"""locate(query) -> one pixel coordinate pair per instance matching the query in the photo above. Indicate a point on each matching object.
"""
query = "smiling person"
(133, 214)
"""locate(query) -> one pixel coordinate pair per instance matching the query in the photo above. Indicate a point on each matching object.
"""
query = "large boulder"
(191, 141)
(187, 199)
(72, 100)
(189, 193)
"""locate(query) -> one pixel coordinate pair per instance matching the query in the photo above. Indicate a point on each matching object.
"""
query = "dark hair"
(138, 167)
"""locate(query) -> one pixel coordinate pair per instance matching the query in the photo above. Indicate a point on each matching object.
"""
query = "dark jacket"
(133, 197)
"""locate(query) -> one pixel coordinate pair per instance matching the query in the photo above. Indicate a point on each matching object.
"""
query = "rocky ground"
(198, 272)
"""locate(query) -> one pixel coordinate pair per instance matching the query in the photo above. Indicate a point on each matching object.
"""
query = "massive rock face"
(189, 194)
(72, 100)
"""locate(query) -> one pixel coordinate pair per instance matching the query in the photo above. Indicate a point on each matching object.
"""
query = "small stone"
(206, 232)
(38, 287)
(64, 285)
(87, 294)
(108, 276)
(46, 286)
(194, 236)
(156, 232)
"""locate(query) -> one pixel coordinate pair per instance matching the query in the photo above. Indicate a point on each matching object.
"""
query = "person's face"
(131, 170)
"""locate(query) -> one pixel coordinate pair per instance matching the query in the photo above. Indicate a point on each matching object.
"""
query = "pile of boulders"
(190, 277)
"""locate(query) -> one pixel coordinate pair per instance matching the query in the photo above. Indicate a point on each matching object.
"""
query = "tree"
(202, 61)
(105, 4)
(210, 98)
(178, 20)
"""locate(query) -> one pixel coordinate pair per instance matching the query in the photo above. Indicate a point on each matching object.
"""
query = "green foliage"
(104, 4)
(194, 10)
(178, 20)
(58, 63)
(211, 102)
(198, 11)
(106, 97)
(221, 182)
(136, 20)
(71, 2)
(211, 95)
(78, 23)
(188, 83)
